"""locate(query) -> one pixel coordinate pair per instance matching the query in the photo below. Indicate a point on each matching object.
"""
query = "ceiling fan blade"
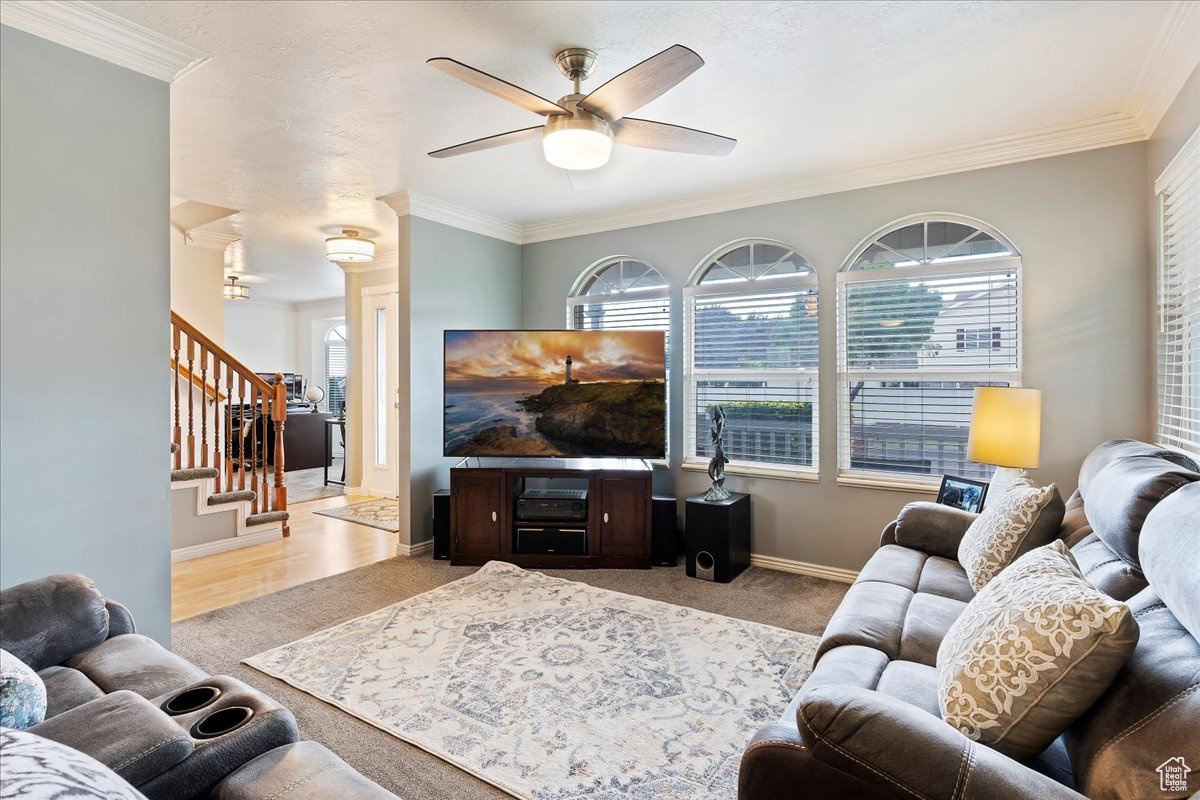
(676, 138)
(488, 142)
(583, 180)
(497, 86)
(638, 85)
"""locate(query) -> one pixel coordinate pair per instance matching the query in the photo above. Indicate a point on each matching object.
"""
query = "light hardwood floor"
(318, 547)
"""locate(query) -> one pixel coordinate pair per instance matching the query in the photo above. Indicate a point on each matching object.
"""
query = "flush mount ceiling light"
(235, 290)
(349, 248)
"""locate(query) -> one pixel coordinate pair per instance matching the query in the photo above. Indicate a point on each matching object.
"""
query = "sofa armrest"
(123, 731)
(120, 620)
(932, 528)
(903, 751)
(49, 620)
(301, 771)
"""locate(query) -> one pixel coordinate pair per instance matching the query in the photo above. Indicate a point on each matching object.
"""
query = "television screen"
(555, 393)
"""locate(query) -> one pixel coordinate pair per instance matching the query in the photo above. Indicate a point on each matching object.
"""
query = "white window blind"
(927, 311)
(335, 369)
(623, 294)
(752, 347)
(1178, 191)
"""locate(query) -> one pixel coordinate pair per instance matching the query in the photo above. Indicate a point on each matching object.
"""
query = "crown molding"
(386, 260)
(210, 240)
(105, 35)
(328, 303)
(406, 203)
(1171, 60)
(277, 305)
(1104, 131)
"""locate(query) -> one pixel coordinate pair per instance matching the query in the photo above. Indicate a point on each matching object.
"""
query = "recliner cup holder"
(219, 723)
(191, 700)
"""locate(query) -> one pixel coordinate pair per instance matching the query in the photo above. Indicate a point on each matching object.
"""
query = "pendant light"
(235, 290)
(349, 248)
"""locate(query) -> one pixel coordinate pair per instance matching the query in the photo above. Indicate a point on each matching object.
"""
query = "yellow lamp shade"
(1006, 427)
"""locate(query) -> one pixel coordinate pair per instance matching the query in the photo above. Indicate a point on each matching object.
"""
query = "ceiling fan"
(580, 130)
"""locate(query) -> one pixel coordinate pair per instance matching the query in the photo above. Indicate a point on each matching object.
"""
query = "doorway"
(381, 391)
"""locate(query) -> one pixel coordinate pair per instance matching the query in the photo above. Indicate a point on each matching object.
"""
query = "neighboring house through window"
(750, 333)
(928, 308)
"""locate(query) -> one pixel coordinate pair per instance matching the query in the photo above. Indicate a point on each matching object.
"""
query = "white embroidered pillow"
(1030, 653)
(1009, 526)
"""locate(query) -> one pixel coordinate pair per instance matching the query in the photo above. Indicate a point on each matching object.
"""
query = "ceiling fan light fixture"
(580, 142)
(236, 291)
(349, 248)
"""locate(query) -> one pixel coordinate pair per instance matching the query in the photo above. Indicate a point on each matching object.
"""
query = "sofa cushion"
(1115, 449)
(945, 578)
(1107, 571)
(32, 765)
(67, 688)
(871, 615)
(1147, 715)
(1024, 517)
(1124, 492)
(51, 619)
(1170, 554)
(1030, 653)
(915, 684)
(136, 663)
(300, 771)
(1075, 526)
(926, 623)
(22, 694)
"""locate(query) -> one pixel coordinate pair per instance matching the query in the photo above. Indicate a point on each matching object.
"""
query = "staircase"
(227, 454)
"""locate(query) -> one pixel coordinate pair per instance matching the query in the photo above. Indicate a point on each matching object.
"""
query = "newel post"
(279, 416)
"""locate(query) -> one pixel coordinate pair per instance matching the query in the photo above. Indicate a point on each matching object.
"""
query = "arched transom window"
(928, 308)
(750, 326)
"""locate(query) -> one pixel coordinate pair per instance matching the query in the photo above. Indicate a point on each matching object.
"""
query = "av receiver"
(556, 504)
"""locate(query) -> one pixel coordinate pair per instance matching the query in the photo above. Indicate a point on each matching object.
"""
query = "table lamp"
(1006, 430)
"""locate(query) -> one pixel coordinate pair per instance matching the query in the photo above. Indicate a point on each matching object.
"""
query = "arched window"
(623, 293)
(750, 331)
(929, 307)
(335, 369)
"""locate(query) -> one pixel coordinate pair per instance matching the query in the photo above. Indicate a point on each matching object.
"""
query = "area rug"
(309, 484)
(551, 689)
(383, 513)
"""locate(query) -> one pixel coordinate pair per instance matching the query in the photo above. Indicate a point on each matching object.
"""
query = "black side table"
(718, 537)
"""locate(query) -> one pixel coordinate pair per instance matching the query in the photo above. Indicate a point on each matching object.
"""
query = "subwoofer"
(718, 537)
(664, 533)
(441, 524)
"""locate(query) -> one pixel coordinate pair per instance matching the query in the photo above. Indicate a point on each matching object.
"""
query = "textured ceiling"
(309, 111)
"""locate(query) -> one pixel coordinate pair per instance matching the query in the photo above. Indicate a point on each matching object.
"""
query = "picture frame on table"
(964, 494)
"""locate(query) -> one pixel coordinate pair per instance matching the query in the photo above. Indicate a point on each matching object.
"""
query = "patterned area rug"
(551, 689)
(383, 513)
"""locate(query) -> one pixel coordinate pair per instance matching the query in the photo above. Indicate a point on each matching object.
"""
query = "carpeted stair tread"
(194, 473)
(220, 498)
(266, 517)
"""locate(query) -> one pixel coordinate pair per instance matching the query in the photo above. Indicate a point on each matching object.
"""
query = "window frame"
(695, 288)
(844, 376)
(326, 343)
(578, 297)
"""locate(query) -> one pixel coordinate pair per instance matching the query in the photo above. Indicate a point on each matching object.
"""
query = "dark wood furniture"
(720, 529)
(483, 501)
(332, 422)
(303, 439)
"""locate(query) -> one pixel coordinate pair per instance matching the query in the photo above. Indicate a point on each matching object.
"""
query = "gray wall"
(459, 280)
(1176, 126)
(84, 466)
(1080, 223)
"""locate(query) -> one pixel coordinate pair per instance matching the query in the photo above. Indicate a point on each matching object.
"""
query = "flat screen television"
(573, 394)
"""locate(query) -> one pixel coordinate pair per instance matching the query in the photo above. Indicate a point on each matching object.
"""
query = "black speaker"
(441, 524)
(718, 537)
(664, 533)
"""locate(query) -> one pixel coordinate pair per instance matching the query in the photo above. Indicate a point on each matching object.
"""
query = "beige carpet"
(219, 640)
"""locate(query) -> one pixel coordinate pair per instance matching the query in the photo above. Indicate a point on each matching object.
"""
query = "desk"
(301, 437)
(330, 423)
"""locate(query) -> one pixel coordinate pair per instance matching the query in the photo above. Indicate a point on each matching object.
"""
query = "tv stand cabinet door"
(623, 510)
(478, 513)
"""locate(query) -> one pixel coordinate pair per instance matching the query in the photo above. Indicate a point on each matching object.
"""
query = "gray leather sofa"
(866, 723)
(155, 719)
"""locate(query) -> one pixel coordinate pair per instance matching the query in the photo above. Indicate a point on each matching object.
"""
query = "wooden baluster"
(203, 400)
(254, 446)
(241, 434)
(279, 418)
(216, 454)
(229, 428)
(263, 490)
(191, 434)
(176, 432)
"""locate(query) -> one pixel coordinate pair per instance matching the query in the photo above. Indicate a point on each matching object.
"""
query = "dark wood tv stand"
(483, 508)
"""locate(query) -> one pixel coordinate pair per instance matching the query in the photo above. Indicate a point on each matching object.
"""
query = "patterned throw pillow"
(41, 769)
(1030, 653)
(22, 693)
(1024, 517)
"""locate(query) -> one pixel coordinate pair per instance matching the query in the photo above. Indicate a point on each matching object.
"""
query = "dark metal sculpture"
(716, 465)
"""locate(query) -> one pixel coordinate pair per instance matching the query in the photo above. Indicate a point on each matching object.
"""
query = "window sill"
(806, 476)
(888, 484)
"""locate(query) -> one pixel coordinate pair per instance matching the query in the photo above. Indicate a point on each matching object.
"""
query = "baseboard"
(222, 545)
(804, 568)
(414, 549)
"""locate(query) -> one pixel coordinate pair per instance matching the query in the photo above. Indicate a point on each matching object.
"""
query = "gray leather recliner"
(866, 723)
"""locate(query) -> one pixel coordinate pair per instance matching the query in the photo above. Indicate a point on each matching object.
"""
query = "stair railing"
(243, 445)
